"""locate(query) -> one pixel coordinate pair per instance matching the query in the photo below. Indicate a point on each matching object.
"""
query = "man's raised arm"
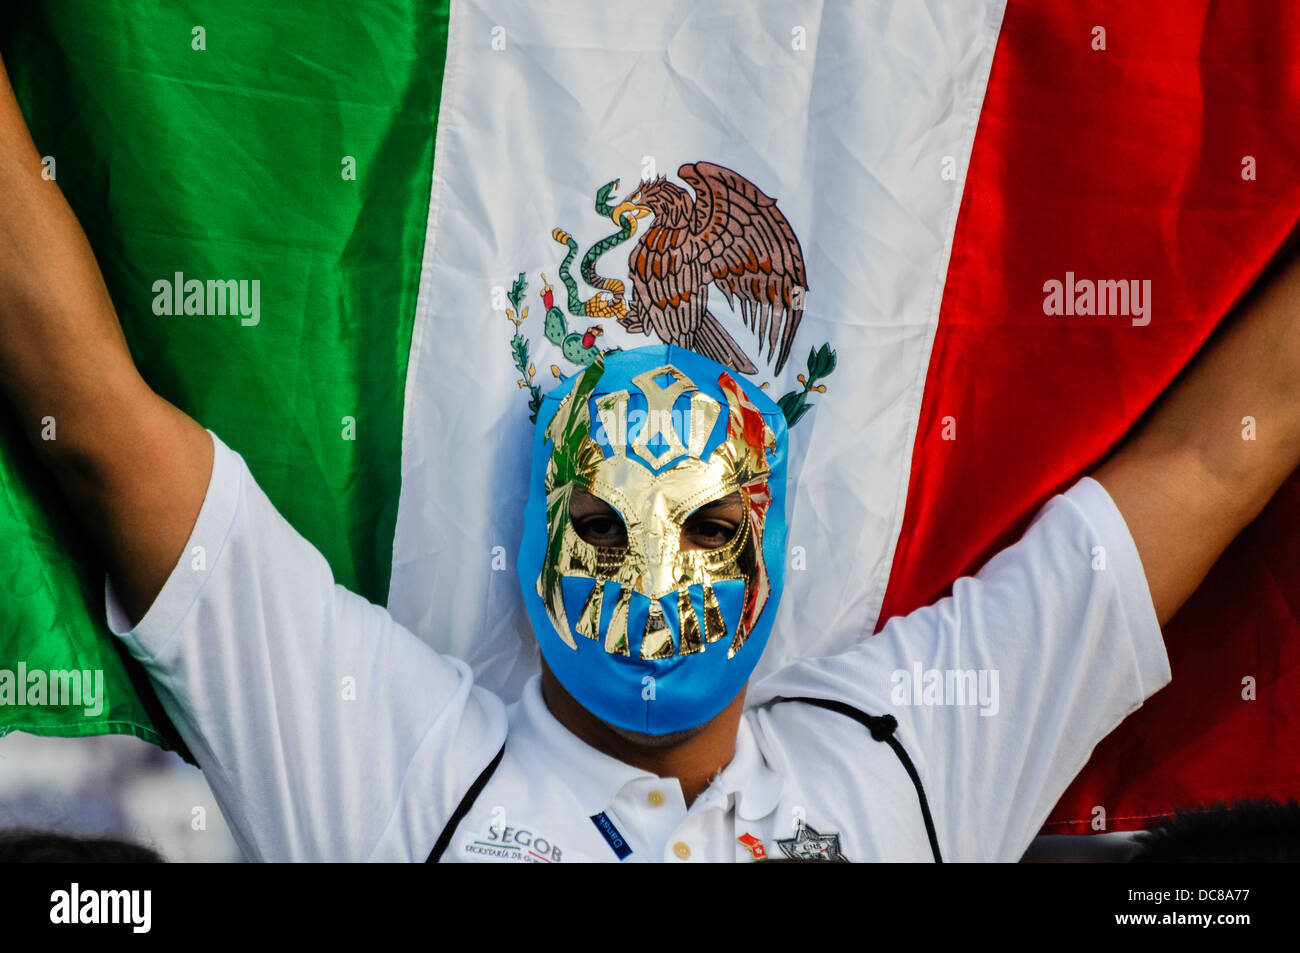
(135, 467)
(325, 729)
(1217, 446)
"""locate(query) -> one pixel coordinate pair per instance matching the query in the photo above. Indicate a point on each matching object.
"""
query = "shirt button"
(655, 797)
(682, 850)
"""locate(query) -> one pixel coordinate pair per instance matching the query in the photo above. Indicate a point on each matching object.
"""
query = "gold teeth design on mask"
(657, 642)
(689, 624)
(589, 619)
(616, 637)
(715, 627)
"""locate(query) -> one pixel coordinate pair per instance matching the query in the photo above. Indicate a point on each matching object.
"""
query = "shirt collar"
(595, 778)
(757, 787)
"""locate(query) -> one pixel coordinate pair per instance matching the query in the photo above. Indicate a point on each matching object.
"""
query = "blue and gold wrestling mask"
(646, 635)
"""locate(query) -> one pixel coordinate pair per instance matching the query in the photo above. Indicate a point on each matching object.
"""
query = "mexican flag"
(965, 246)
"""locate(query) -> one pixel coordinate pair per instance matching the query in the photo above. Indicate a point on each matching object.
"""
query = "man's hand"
(1188, 480)
(134, 466)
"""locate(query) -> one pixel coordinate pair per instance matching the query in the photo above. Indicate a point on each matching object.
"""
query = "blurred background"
(112, 785)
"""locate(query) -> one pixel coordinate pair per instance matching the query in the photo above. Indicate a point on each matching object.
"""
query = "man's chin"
(643, 740)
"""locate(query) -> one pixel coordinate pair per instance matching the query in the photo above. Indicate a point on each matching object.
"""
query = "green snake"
(599, 306)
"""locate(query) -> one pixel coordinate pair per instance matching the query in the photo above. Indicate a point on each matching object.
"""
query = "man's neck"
(694, 760)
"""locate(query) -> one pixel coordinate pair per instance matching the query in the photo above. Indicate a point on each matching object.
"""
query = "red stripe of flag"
(1122, 163)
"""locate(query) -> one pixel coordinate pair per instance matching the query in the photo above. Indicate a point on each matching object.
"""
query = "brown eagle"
(732, 234)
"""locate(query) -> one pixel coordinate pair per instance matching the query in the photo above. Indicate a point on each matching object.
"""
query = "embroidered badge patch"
(810, 844)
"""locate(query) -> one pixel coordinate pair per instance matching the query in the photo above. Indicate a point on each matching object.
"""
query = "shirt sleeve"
(320, 724)
(1002, 689)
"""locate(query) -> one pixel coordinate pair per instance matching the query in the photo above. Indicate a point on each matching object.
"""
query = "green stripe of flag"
(228, 163)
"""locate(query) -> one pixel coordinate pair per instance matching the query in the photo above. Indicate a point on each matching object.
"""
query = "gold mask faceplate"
(654, 504)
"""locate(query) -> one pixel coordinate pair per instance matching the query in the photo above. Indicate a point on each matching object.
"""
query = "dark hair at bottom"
(1253, 830)
(24, 845)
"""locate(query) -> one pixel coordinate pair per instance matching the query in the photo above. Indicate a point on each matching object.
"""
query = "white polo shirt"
(329, 732)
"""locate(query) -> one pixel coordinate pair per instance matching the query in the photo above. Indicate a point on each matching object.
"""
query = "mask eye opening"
(716, 524)
(596, 522)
